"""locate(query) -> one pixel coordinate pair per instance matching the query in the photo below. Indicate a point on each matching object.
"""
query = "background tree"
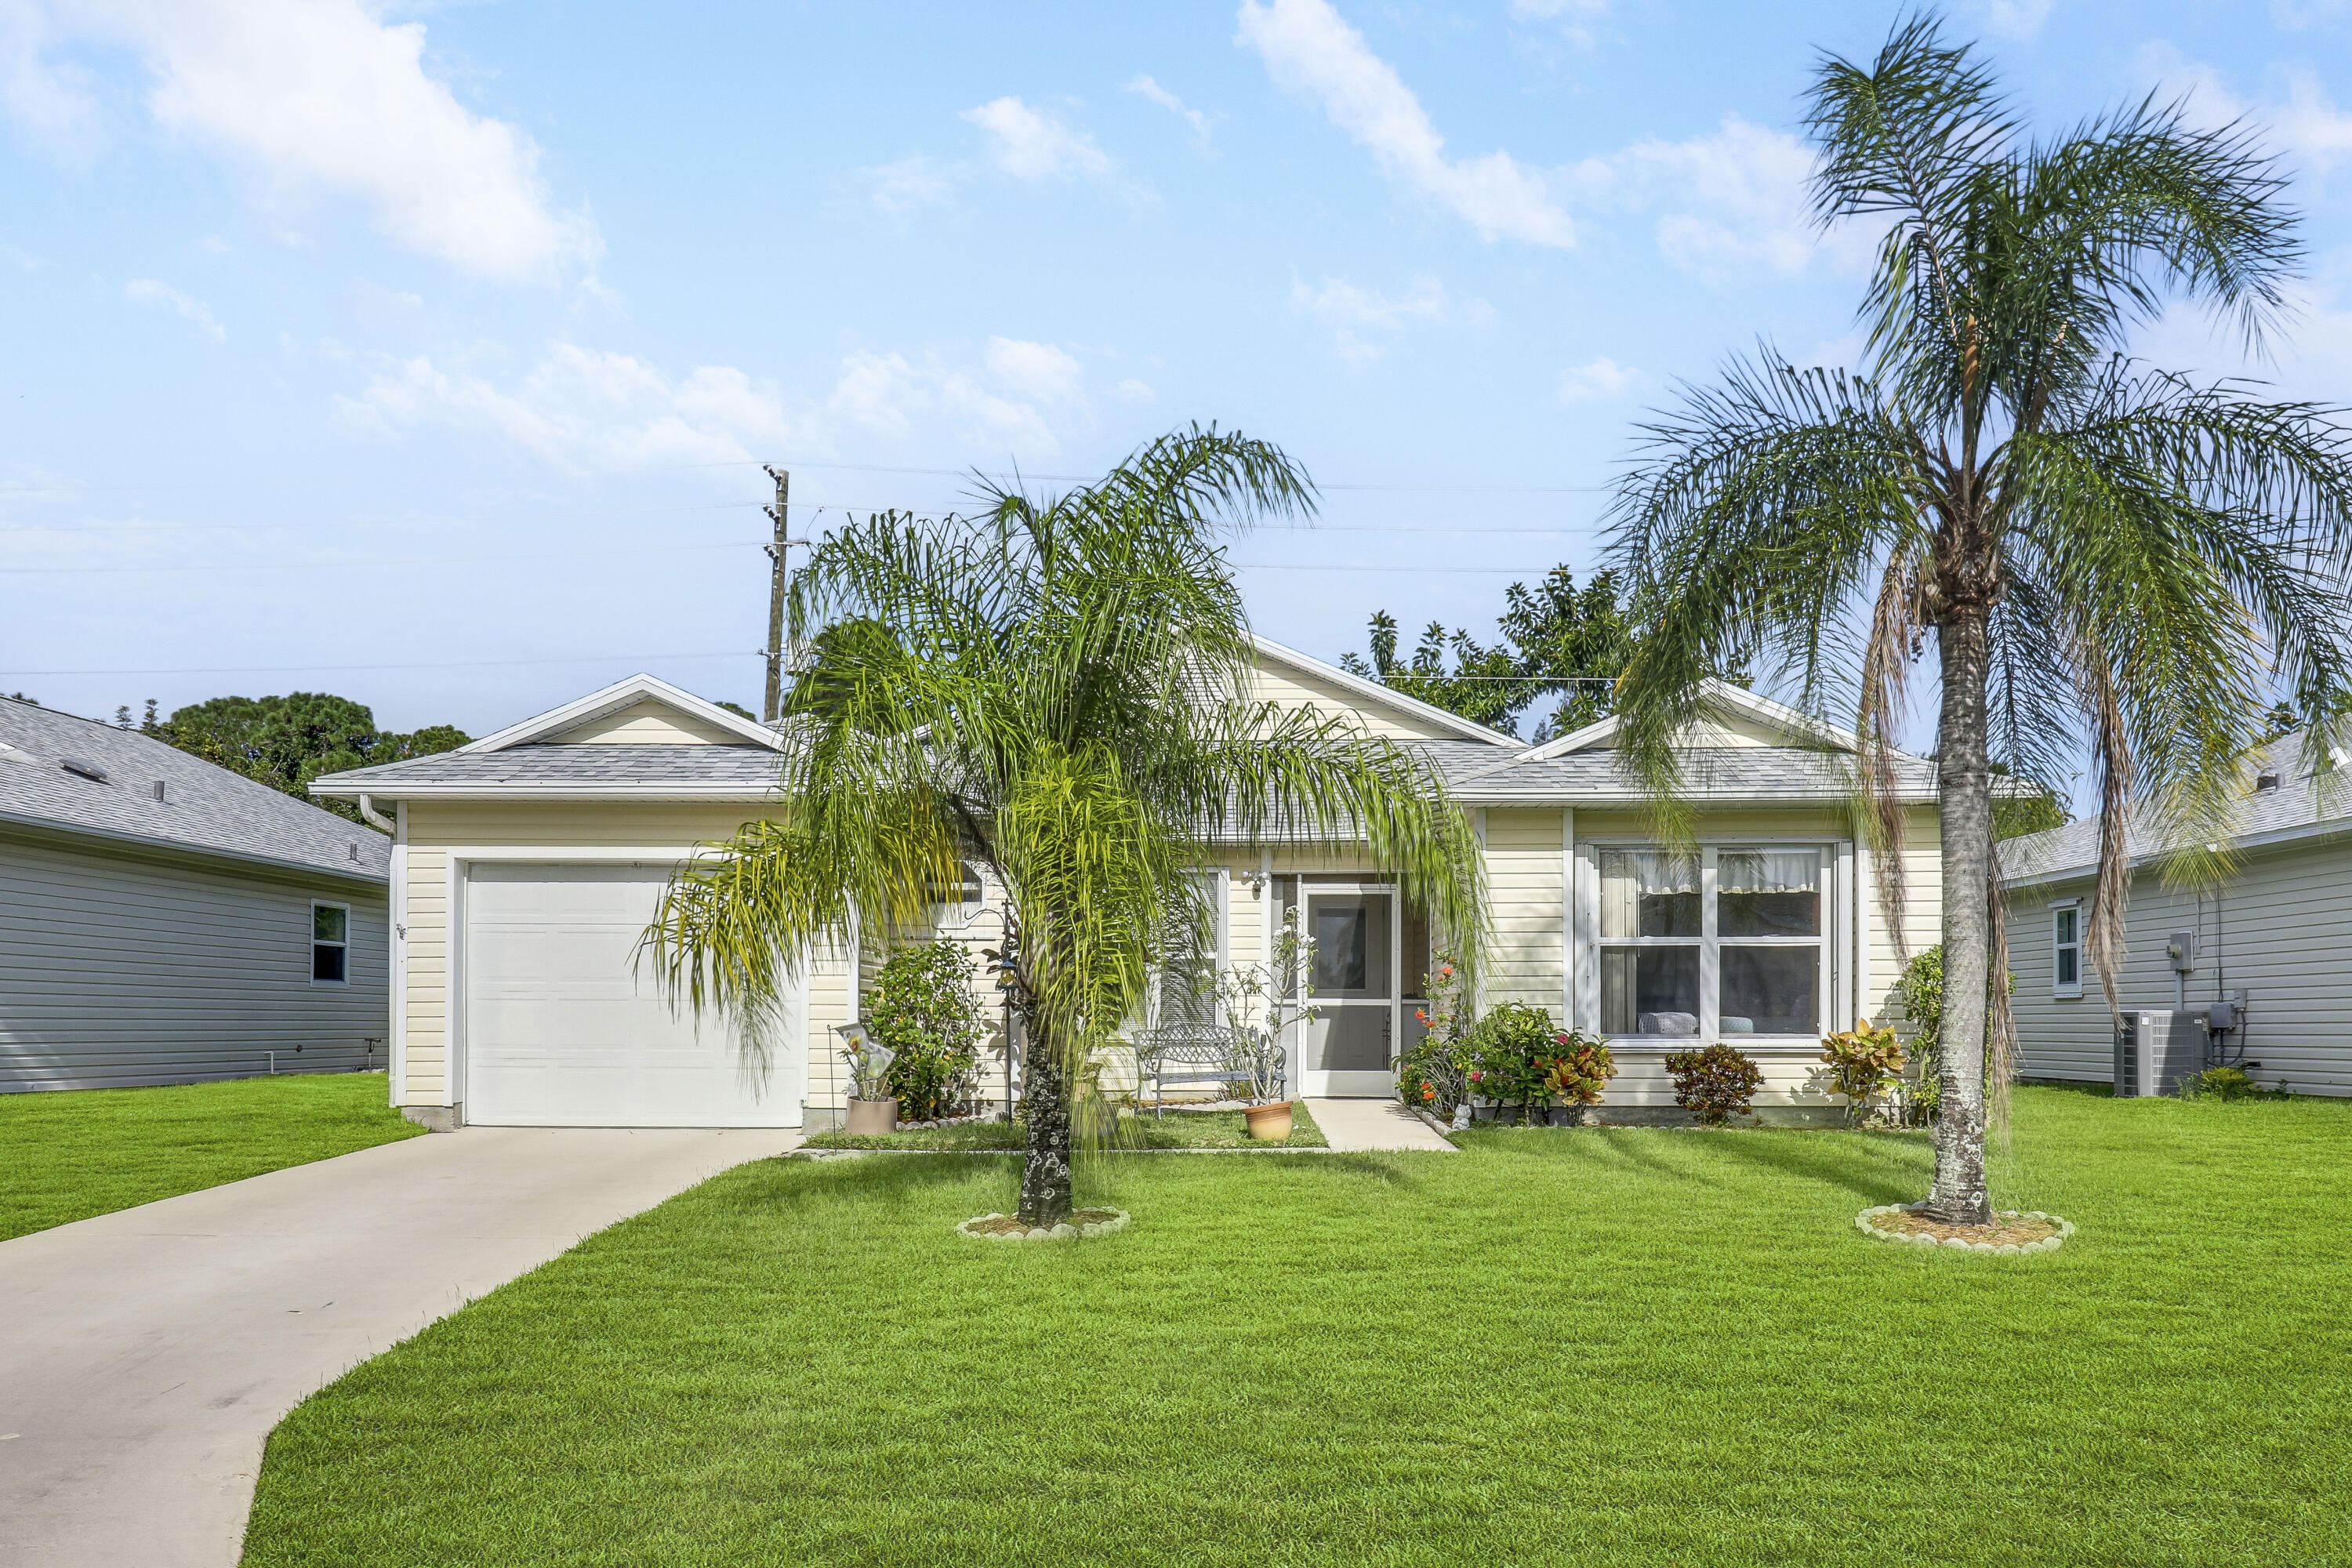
(2087, 542)
(286, 741)
(1559, 640)
(1061, 690)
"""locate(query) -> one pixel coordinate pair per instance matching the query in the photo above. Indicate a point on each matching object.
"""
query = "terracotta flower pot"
(872, 1116)
(1269, 1123)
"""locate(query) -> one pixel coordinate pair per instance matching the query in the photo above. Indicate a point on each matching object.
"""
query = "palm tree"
(2091, 544)
(1058, 688)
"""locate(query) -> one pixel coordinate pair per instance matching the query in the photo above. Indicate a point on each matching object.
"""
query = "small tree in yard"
(2084, 541)
(1059, 689)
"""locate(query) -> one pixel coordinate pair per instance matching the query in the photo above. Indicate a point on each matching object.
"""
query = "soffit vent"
(84, 767)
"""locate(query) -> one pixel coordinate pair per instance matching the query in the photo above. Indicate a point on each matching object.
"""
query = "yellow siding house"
(525, 864)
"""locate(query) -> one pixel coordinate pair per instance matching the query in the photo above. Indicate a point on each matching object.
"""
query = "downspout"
(374, 818)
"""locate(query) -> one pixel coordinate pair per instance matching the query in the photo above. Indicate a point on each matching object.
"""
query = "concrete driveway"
(145, 1355)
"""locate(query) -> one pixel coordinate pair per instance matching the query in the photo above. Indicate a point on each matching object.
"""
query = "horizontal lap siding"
(1526, 950)
(117, 972)
(2281, 935)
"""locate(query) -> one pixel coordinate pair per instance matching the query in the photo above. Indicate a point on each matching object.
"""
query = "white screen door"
(1352, 986)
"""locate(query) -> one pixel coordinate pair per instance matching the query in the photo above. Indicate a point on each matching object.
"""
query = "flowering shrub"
(1511, 1051)
(1863, 1060)
(923, 1009)
(1715, 1084)
(1579, 1070)
(1436, 1074)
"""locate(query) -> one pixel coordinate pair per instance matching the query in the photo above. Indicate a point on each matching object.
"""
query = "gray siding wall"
(2281, 932)
(117, 971)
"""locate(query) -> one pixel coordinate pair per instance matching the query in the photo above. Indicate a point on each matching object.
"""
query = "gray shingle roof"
(750, 766)
(204, 807)
(1747, 773)
(1478, 771)
(2301, 800)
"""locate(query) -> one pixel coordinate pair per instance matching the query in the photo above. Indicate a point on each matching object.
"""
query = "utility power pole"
(779, 579)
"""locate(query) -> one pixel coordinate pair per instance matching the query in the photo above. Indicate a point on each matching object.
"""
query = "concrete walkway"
(1353, 1125)
(144, 1355)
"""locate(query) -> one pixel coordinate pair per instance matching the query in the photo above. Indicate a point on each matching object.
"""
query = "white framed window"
(1726, 941)
(954, 904)
(330, 943)
(2066, 949)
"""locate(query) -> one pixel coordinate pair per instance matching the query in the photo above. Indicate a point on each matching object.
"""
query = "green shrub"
(1579, 1069)
(1863, 1060)
(2229, 1083)
(923, 1009)
(1715, 1084)
(1510, 1051)
(1436, 1074)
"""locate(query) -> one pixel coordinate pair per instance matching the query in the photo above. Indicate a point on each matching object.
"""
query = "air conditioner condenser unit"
(2156, 1051)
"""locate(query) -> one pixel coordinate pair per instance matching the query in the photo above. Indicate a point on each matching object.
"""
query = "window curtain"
(1767, 871)
(1629, 876)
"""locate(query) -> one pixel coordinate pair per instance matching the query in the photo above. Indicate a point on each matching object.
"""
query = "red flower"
(1427, 1092)
(1476, 1076)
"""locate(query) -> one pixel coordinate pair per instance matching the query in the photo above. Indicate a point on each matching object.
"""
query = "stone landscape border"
(1865, 1222)
(1062, 1232)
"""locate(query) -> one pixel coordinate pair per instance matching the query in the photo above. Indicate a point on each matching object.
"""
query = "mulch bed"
(2009, 1228)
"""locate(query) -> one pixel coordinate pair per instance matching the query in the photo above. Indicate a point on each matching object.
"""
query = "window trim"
(316, 943)
(2059, 990)
(1590, 943)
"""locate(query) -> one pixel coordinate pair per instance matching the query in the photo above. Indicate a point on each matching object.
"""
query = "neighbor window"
(2066, 949)
(330, 943)
(1724, 942)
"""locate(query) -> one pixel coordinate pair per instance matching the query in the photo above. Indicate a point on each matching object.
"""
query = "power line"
(349, 668)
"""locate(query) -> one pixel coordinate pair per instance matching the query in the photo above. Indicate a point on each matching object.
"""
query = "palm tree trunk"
(1964, 796)
(1045, 1192)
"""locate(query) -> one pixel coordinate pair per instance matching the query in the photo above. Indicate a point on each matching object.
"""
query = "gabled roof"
(1799, 727)
(205, 810)
(612, 700)
(1374, 694)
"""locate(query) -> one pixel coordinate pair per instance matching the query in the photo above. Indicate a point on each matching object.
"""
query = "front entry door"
(1353, 989)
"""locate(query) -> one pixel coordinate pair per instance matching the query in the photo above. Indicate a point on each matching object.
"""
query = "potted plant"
(1264, 1005)
(872, 1111)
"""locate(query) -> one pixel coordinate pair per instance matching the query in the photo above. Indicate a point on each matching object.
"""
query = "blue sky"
(428, 355)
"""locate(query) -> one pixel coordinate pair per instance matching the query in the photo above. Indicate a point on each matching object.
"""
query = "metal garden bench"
(1203, 1053)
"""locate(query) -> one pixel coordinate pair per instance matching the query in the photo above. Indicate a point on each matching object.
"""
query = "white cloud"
(1733, 201)
(1146, 88)
(1134, 391)
(1357, 310)
(1337, 299)
(2297, 117)
(587, 411)
(1031, 144)
(148, 291)
(1039, 371)
(1310, 48)
(316, 97)
(912, 181)
(1599, 380)
(1573, 18)
(2017, 18)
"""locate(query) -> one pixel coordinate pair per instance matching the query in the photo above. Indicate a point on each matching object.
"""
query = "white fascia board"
(1778, 714)
(612, 700)
(479, 791)
(1733, 799)
(1373, 691)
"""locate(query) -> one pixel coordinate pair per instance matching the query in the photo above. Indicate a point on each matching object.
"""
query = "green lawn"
(1628, 1346)
(1176, 1130)
(72, 1153)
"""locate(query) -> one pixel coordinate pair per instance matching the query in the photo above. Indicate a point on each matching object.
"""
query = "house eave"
(2301, 833)
(179, 850)
(524, 792)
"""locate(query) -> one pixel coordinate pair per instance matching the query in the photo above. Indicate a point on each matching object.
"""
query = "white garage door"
(559, 1031)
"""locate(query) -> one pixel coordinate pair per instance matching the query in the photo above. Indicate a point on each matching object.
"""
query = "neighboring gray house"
(2275, 942)
(163, 920)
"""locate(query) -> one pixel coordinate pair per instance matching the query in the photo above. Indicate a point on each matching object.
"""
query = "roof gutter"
(374, 818)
